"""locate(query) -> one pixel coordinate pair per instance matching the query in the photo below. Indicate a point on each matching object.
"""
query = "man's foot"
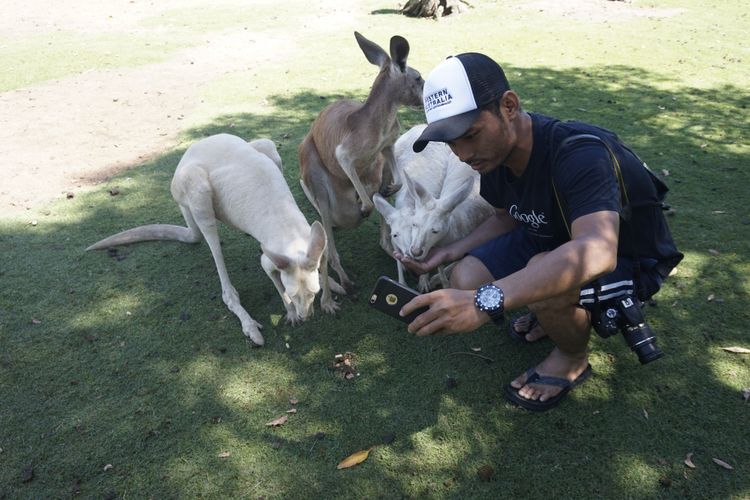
(557, 365)
(526, 328)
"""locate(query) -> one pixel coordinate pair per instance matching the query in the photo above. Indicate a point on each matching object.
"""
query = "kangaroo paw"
(330, 307)
(293, 318)
(252, 331)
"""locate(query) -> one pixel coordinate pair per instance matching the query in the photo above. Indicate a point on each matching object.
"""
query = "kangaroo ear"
(268, 148)
(410, 189)
(451, 201)
(280, 261)
(373, 52)
(418, 191)
(383, 207)
(317, 245)
(399, 51)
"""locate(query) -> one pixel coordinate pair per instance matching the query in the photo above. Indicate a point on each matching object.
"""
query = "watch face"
(490, 298)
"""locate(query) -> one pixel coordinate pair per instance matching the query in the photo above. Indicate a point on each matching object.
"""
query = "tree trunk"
(434, 8)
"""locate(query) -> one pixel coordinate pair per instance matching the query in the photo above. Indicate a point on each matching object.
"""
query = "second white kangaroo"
(224, 178)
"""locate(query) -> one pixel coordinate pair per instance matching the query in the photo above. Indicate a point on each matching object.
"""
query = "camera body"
(623, 314)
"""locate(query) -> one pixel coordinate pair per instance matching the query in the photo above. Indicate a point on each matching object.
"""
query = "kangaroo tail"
(151, 232)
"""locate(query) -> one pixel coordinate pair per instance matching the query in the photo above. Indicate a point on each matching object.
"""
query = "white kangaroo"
(224, 178)
(348, 154)
(441, 204)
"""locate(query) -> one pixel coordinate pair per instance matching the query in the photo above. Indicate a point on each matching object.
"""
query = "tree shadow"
(134, 360)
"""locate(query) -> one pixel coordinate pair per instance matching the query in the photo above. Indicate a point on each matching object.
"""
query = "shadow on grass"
(133, 361)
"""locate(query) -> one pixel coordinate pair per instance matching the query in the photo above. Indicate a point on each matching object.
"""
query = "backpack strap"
(626, 208)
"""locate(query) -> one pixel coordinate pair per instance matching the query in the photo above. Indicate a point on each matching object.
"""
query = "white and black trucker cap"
(455, 91)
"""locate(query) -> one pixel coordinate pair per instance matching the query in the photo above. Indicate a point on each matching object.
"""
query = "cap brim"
(446, 129)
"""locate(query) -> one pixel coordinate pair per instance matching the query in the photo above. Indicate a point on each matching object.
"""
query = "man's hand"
(435, 257)
(450, 311)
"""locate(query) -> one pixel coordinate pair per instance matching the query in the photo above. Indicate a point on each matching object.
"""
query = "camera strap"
(625, 206)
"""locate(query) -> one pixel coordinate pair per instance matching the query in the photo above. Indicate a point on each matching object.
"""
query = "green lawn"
(129, 378)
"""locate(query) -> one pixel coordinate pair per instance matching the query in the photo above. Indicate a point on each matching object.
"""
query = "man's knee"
(469, 273)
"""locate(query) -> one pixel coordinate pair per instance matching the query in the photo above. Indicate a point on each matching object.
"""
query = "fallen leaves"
(737, 350)
(344, 365)
(746, 394)
(354, 459)
(485, 472)
(27, 475)
(224, 454)
(278, 421)
(722, 463)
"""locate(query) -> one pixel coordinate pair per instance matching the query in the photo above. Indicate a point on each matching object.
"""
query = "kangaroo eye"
(394, 235)
(435, 231)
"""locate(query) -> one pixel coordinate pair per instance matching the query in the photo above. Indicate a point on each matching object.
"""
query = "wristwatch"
(490, 299)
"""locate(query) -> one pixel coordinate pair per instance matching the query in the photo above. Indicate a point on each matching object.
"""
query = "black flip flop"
(520, 335)
(532, 377)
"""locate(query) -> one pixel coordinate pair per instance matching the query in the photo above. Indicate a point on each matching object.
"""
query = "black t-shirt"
(585, 180)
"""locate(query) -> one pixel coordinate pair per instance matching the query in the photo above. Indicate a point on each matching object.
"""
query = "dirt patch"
(599, 10)
(61, 136)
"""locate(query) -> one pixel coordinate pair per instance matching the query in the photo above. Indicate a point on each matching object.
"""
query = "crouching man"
(578, 234)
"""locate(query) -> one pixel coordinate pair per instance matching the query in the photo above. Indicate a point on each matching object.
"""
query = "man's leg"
(470, 273)
(569, 327)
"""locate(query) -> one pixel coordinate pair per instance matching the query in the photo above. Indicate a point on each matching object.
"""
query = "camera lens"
(642, 341)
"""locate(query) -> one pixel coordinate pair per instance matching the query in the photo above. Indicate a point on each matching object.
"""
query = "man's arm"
(591, 253)
(499, 223)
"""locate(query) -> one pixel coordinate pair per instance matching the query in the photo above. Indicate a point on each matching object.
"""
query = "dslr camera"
(624, 314)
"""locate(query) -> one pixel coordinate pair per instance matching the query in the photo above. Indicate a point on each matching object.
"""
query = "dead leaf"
(665, 172)
(224, 454)
(485, 472)
(746, 394)
(279, 421)
(688, 461)
(27, 475)
(292, 410)
(476, 349)
(645, 414)
(738, 350)
(344, 365)
(710, 297)
(722, 463)
(293, 401)
(713, 251)
(108, 467)
(35, 321)
(354, 459)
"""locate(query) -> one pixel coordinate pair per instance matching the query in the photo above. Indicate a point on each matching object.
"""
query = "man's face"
(487, 143)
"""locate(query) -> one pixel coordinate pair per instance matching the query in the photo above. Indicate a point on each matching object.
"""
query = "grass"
(137, 363)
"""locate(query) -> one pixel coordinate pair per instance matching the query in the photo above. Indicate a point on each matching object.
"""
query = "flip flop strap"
(532, 377)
